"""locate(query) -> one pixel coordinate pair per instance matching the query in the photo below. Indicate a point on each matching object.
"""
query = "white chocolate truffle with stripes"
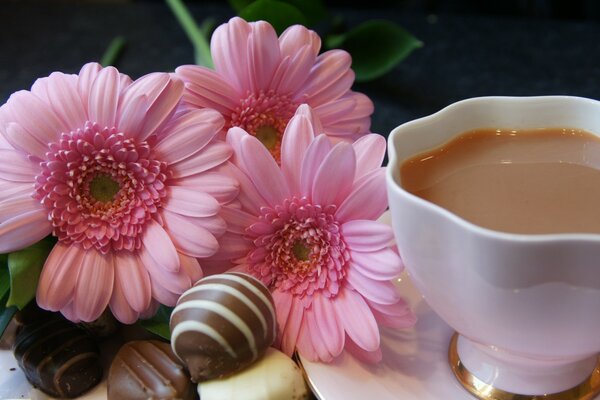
(222, 324)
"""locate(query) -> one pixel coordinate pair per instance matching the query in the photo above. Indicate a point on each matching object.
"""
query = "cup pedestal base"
(578, 380)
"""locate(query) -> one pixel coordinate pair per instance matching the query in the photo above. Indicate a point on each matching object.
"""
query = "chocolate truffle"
(148, 369)
(222, 324)
(58, 357)
(273, 377)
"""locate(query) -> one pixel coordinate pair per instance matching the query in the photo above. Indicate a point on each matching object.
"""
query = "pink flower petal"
(297, 36)
(317, 337)
(293, 71)
(131, 274)
(87, 76)
(357, 318)
(35, 116)
(264, 171)
(397, 315)
(69, 313)
(222, 187)
(22, 140)
(306, 111)
(382, 292)
(291, 330)
(370, 151)
(296, 140)
(18, 205)
(249, 196)
(331, 112)
(211, 156)
(16, 168)
(189, 202)
(103, 100)
(329, 324)
(367, 357)
(10, 189)
(329, 79)
(162, 107)
(304, 344)
(65, 100)
(174, 282)
(315, 154)
(189, 134)
(132, 114)
(191, 267)
(189, 236)
(283, 307)
(229, 49)
(94, 285)
(163, 295)
(368, 199)
(120, 306)
(215, 224)
(205, 88)
(24, 230)
(59, 276)
(157, 242)
(333, 180)
(363, 235)
(263, 55)
(232, 246)
(237, 220)
(381, 265)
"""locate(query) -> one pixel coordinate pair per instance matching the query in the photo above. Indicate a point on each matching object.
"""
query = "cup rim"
(456, 219)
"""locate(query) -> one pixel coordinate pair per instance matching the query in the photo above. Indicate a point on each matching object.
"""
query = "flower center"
(100, 188)
(268, 136)
(103, 188)
(302, 252)
(265, 115)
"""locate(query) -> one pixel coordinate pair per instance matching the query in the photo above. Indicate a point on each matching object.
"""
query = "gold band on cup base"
(586, 390)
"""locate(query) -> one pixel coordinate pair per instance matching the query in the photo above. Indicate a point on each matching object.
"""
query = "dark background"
(472, 48)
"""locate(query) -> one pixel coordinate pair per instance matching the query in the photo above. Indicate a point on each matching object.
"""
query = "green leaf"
(113, 52)
(4, 280)
(239, 5)
(24, 267)
(6, 314)
(159, 324)
(376, 47)
(194, 32)
(313, 10)
(277, 13)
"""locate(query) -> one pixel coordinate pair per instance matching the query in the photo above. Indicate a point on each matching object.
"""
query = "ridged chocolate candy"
(148, 369)
(58, 357)
(222, 324)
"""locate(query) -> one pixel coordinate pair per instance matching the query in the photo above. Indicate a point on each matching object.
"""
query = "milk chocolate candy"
(148, 369)
(274, 377)
(222, 324)
(58, 357)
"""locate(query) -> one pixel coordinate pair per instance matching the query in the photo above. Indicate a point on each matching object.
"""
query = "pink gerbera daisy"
(130, 188)
(259, 80)
(308, 230)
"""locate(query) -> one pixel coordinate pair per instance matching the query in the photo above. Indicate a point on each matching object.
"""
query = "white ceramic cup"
(527, 307)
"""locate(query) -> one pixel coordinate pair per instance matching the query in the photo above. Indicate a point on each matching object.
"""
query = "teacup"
(526, 307)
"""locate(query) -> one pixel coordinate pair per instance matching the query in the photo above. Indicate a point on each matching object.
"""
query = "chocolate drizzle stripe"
(225, 313)
(251, 287)
(235, 293)
(61, 370)
(34, 345)
(186, 326)
(166, 381)
(49, 357)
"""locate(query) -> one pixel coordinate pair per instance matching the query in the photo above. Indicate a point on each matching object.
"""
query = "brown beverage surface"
(526, 181)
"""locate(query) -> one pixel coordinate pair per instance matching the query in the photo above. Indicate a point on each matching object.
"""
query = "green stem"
(194, 33)
(113, 51)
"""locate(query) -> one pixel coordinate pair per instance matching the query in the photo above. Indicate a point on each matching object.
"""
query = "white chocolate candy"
(273, 377)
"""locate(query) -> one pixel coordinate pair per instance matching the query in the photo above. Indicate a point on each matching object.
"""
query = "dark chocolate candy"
(148, 369)
(222, 324)
(58, 357)
(28, 315)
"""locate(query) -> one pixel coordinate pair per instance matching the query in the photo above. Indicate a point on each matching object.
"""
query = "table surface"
(464, 55)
